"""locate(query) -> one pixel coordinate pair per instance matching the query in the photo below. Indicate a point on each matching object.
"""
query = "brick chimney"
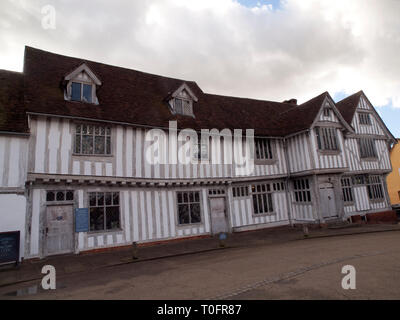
(291, 101)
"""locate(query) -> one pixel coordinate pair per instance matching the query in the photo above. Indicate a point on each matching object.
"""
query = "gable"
(367, 121)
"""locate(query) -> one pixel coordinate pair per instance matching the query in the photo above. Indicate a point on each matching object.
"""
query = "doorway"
(328, 203)
(218, 215)
(59, 229)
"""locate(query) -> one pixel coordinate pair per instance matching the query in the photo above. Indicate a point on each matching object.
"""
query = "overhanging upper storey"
(81, 85)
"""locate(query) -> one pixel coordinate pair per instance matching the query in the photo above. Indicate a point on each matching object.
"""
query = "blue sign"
(81, 220)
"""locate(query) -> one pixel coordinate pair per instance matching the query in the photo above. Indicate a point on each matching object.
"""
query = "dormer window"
(81, 92)
(81, 85)
(182, 100)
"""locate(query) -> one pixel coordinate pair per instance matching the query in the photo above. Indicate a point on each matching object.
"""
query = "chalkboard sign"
(9, 247)
(81, 220)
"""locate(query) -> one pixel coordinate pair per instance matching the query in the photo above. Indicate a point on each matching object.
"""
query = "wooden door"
(218, 215)
(327, 198)
(59, 229)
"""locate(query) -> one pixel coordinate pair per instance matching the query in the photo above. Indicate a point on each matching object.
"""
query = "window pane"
(108, 145)
(60, 196)
(195, 212)
(92, 199)
(78, 143)
(96, 219)
(87, 144)
(100, 199)
(50, 196)
(255, 205)
(70, 195)
(99, 145)
(87, 93)
(115, 198)
(108, 199)
(76, 91)
(112, 218)
(197, 196)
(183, 213)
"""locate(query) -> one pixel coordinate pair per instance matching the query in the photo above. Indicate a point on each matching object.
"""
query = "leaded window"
(92, 139)
(347, 189)
(263, 148)
(59, 195)
(104, 210)
(302, 190)
(200, 150)
(374, 188)
(327, 138)
(182, 106)
(367, 148)
(188, 207)
(262, 198)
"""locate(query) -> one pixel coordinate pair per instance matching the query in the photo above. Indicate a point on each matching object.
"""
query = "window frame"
(183, 101)
(241, 191)
(107, 137)
(302, 188)
(362, 116)
(104, 206)
(82, 84)
(326, 112)
(347, 190)
(190, 223)
(264, 146)
(327, 139)
(263, 192)
(375, 189)
(365, 150)
(205, 141)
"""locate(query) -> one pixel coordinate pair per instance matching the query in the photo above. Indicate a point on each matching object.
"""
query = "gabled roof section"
(184, 86)
(12, 114)
(348, 107)
(85, 68)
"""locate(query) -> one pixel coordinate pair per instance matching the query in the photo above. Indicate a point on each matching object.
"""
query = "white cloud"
(300, 50)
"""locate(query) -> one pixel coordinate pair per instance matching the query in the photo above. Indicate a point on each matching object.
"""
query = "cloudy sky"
(271, 50)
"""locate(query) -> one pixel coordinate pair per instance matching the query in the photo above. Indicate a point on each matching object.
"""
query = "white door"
(59, 230)
(218, 215)
(327, 198)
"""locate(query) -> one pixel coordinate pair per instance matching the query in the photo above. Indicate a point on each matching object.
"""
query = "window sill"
(349, 204)
(92, 156)
(377, 200)
(329, 152)
(369, 159)
(255, 215)
(265, 161)
(94, 232)
(188, 225)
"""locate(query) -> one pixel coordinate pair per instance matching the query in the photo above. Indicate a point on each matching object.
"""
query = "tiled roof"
(348, 106)
(138, 98)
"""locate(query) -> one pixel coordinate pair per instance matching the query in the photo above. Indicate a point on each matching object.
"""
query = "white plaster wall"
(12, 216)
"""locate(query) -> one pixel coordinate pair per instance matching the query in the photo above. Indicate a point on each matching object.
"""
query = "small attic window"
(81, 92)
(182, 106)
(81, 85)
(326, 112)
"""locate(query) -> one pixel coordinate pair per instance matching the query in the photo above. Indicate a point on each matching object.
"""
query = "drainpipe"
(287, 182)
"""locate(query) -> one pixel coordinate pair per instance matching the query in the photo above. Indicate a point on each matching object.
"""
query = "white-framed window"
(216, 192)
(367, 148)
(327, 138)
(358, 180)
(302, 190)
(81, 91)
(262, 198)
(374, 187)
(263, 148)
(92, 139)
(326, 112)
(240, 191)
(364, 118)
(104, 211)
(278, 186)
(188, 207)
(347, 189)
